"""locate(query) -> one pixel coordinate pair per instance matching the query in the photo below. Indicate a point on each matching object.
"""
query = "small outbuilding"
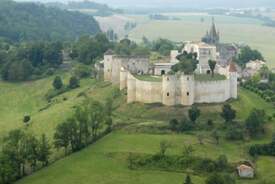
(245, 171)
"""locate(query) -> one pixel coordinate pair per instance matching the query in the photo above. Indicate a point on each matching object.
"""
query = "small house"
(245, 171)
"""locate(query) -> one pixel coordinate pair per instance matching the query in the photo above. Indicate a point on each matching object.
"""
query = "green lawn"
(106, 161)
(209, 77)
(190, 27)
(28, 98)
(149, 78)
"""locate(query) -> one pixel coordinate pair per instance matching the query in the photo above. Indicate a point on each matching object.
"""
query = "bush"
(57, 83)
(82, 71)
(26, 119)
(53, 93)
(74, 82)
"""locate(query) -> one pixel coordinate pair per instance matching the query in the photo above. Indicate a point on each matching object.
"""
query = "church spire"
(212, 36)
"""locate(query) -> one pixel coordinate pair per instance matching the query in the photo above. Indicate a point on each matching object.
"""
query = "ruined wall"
(113, 65)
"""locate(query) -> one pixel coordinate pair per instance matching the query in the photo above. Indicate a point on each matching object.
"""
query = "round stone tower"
(131, 88)
(233, 77)
(187, 84)
(169, 93)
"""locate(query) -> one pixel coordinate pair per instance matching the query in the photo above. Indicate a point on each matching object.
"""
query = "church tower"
(212, 36)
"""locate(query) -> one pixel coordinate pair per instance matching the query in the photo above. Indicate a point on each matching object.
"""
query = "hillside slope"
(30, 21)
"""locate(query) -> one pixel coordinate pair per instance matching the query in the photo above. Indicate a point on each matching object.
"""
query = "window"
(187, 94)
(168, 94)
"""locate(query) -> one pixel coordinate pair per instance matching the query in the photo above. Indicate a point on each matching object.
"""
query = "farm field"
(106, 160)
(191, 27)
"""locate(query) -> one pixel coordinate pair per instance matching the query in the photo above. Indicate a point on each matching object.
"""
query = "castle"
(171, 89)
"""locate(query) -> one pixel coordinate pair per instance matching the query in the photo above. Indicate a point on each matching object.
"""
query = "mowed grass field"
(105, 162)
(28, 98)
(191, 28)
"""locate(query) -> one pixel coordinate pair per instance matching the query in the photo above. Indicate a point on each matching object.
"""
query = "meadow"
(106, 161)
(191, 27)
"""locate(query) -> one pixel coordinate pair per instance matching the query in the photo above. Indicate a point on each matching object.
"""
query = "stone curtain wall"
(143, 91)
(212, 91)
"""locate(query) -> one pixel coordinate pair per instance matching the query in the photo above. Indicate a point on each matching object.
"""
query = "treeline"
(247, 54)
(253, 126)
(91, 121)
(23, 153)
(221, 168)
(30, 60)
(98, 8)
(32, 22)
(264, 89)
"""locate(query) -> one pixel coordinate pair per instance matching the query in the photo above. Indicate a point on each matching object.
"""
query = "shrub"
(26, 119)
(57, 82)
(82, 71)
(74, 82)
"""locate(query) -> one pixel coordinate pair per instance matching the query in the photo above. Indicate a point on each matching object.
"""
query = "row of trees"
(30, 60)
(22, 154)
(85, 126)
(253, 125)
(88, 49)
(220, 167)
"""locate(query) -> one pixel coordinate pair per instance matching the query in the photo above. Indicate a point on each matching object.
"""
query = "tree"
(7, 174)
(62, 136)
(212, 65)
(44, 150)
(255, 122)
(247, 54)
(217, 178)
(109, 106)
(215, 134)
(185, 125)
(187, 180)
(222, 163)
(57, 83)
(228, 114)
(163, 146)
(187, 63)
(74, 82)
(173, 124)
(193, 113)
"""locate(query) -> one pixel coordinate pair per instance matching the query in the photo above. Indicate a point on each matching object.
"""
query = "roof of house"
(232, 67)
(109, 52)
(245, 168)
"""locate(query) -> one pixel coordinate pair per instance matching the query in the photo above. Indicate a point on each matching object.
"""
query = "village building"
(173, 89)
(245, 171)
(252, 68)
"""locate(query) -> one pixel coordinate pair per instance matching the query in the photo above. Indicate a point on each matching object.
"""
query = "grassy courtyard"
(209, 77)
(149, 78)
